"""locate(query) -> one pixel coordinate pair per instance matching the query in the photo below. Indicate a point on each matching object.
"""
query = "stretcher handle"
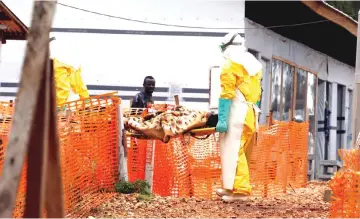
(200, 138)
(177, 102)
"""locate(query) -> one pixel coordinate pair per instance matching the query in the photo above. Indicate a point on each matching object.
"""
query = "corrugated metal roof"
(15, 29)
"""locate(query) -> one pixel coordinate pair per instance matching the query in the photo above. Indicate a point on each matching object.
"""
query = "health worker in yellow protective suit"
(68, 79)
(238, 115)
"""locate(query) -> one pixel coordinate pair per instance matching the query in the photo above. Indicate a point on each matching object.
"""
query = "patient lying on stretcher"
(163, 125)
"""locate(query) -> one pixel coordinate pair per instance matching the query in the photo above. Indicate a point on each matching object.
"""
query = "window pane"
(266, 81)
(301, 86)
(311, 109)
(288, 77)
(311, 100)
(311, 94)
(275, 88)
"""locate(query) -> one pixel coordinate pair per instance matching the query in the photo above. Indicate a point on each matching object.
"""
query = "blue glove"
(223, 115)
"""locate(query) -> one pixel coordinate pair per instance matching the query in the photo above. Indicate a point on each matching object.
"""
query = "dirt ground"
(306, 202)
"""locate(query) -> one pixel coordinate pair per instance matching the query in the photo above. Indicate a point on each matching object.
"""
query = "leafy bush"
(139, 186)
(125, 187)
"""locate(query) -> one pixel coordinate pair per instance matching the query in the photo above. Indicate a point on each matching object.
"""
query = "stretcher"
(205, 131)
(196, 133)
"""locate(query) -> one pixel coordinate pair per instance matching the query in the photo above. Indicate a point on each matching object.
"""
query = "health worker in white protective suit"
(240, 80)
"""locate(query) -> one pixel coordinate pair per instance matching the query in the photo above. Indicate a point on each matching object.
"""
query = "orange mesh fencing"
(297, 171)
(280, 158)
(171, 169)
(191, 167)
(345, 185)
(136, 159)
(205, 167)
(89, 152)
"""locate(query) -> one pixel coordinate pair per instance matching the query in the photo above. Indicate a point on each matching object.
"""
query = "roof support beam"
(356, 98)
(324, 10)
(13, 22)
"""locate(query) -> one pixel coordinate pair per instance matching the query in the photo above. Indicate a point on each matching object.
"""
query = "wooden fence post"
(36, 83)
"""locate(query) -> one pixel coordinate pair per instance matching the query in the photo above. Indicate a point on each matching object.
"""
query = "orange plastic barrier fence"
(191, 167)
(88, 134)
(345, 185)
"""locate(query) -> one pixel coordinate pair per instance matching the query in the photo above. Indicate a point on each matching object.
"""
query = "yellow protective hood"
(67, 78)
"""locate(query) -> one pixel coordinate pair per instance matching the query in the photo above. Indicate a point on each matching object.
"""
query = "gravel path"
(306, 202)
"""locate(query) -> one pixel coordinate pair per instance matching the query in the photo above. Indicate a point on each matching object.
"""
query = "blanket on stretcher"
(164, 125)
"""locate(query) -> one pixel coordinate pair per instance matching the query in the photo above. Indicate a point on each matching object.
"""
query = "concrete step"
(330, 163)
(325, 177)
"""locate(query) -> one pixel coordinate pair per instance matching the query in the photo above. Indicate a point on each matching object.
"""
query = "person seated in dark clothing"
(142, 99)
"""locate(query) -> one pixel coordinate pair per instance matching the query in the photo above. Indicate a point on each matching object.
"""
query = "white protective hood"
(63, 53)
(60, 52)
(239, 54)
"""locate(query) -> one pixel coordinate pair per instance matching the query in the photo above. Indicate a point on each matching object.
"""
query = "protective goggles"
(223, 46)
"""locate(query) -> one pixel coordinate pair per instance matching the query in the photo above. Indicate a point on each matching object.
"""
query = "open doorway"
(349, 119)
(321, 120)
(340, 131)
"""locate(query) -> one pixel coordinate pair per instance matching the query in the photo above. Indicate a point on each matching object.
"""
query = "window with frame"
(265, 87)
(293, 94)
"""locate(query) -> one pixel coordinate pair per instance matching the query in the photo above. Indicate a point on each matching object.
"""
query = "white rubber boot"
(223, 192)
(235, 197)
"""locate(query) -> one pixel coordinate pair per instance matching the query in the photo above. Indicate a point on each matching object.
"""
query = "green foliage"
(139, 186)
(350, 8)
(124, 187)
(144, 198)
(142, 187)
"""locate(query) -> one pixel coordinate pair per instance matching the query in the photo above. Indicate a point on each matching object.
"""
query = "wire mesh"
(298, 154)
(345, 185)
(136, 159)
(191, 167)
(88, 134)
(184, 167)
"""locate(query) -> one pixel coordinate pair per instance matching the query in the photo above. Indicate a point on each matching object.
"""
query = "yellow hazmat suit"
(67, 78)
(238, 115)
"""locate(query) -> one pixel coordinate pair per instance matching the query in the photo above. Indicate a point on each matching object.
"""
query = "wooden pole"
(54, 204)
(22, 135)
(356, 98)
(123, 170)
(270, 119)
(36, 160)
(177, 101)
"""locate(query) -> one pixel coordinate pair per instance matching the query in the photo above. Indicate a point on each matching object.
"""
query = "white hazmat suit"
(240, 80)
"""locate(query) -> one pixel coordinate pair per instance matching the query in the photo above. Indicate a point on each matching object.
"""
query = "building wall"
(112, 57)
(0, 45)
(115, 52)
(268, 44)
